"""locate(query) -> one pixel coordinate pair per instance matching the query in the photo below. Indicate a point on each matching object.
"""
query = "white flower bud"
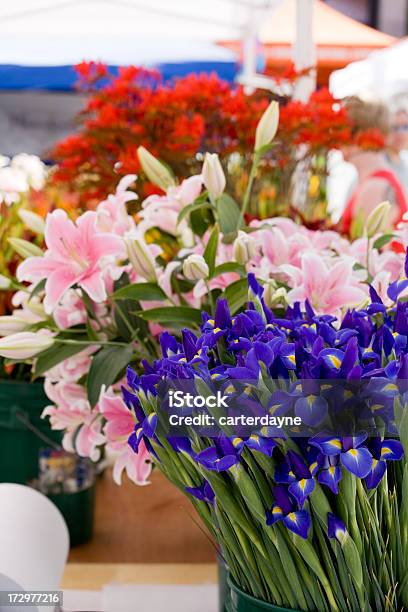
(141, 258)
(24, 345)
(195, 267)
(213, 175)
(378, 219)
(33, 221)
(244, 248)
(25, 248)
(5, 283)
(12, 325)
(155, 171)
(267, 126)
(274, 296)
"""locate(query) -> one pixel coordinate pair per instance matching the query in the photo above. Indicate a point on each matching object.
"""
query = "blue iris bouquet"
(311, 517)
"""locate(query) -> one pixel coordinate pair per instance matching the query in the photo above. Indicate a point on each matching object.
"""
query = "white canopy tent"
(43, 39)
(382, 75)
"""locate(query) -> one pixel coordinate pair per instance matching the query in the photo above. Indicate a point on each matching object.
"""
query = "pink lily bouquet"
(99, 294)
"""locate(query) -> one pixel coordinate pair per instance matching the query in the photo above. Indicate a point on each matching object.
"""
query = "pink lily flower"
(120, 424)
(73, 257)
(71, 411)
(112, 215)
(163, 211)
(328, 289)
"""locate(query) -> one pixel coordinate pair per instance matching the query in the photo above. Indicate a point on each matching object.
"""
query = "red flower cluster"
(176, 121)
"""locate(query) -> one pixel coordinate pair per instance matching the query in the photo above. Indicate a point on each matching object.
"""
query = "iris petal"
(299, 522)
(358, 461)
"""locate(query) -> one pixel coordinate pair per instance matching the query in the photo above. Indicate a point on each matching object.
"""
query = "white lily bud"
(25, 248)
(5, 283)
(155, 171)
(24, 345)
(378, 219)
(195, 267)
(33, 221)
(141, 258)
(274, 296)
(213, 175)
(12, 325)
(267, 126)
(244, 248)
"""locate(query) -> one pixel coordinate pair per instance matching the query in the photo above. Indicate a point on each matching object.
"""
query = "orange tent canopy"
(339, 39)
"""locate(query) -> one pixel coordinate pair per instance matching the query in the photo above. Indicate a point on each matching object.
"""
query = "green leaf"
(228, 214)
(383, 240)
(211, 250)
(140, 291)
(229, 266)
(198, 204)
(237, 294)
(201, 220)
(38, 288)
(55, 354)
(172, 315)
(105, 369)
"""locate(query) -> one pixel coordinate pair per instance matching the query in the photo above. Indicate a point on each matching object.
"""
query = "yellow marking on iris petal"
(332, 469)
(216, 329)
(292, 517)
(348, 394)
(230, 389)
(311, 399)
(375, 461)
(290, 473)
(353, 452)
(216, 375)
(302, 484)
(248, 390)
(377, 407)
(390, 387)
(385, 450)
(183, 359)
(236, 441)
(335, 361)
(313, 466)
(233, 320)
(292, 359)
(254, 437)
(336, 443)
(211, 322)
(277, 510)
(326, 387)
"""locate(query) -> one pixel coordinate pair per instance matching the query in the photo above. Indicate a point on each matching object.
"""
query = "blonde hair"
(367, 115)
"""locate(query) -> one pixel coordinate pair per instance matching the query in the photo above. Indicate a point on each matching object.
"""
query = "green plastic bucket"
(242, 602)
(22, 431)
(223, 588)
(78, 512)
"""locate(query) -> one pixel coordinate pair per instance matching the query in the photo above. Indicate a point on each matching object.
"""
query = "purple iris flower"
(284, 509)
(329, 471)
(294, 472)
(204, 492)
(220, 457)
(355, 457)
(382, 451)
(336, 529)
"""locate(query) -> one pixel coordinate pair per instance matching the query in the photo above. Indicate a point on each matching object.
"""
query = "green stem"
(90, 342)
(252, 174)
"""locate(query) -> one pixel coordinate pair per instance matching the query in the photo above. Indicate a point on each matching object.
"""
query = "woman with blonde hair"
(376, 179)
